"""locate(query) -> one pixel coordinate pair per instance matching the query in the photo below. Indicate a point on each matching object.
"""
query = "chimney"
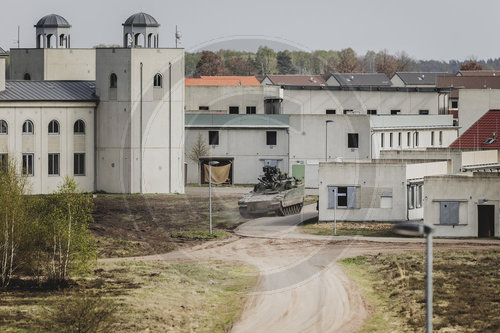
(2, 74)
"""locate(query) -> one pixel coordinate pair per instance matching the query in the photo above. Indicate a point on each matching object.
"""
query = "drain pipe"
(170, 127)
(140, 133)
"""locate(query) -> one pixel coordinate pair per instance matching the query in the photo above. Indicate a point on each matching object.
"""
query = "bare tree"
(198, 150)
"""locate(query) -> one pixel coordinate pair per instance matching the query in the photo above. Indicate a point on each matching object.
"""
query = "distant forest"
(267, 61)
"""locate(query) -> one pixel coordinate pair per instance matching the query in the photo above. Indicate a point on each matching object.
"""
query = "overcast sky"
(425, 29)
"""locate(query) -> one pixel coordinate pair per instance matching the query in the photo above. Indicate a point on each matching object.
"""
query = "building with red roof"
(483, 134)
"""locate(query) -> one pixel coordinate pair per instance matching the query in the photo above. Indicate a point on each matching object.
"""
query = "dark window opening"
(4, 128)
(454, 104)
(4, 162)
(371, 111)
(234, 110)
(348, 111)
(113, 80)
(54, 127)
(203, 108)
(79, 164)
(251, 109)
(28, 127)
(342, 197)
(331, 111)
(158, 81)
(54, 164)
(213, 138)
(395, 112)
(271, 138)
(28, 165)
(352, 140)
(423, 112)
(27, 76)
(79, 127)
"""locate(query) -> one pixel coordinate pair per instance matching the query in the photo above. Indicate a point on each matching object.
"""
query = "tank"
(275, 192)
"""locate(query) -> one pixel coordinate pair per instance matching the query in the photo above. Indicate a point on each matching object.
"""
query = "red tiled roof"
(488, 126)
(223, 81)
(297, 80)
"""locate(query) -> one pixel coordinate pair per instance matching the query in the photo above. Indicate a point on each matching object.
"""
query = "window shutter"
(331, 196)
(351, 197)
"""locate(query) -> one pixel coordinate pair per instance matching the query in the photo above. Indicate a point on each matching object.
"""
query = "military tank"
(275, 192)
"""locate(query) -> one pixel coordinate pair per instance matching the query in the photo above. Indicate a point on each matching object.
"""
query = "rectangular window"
(454, 104)
(371, 111)
(331, 111)
(416, 139)
(251, 109)
(343, 197)
(234, 109)
(411, 197)
(395, 112)
(204, 108)
(348, 111)
(54, 164)
(440, 138)
(271, 138)
(382, 140)
(390, 140)
(408, 139)
(449, 212)
(399, 139)
(28, 165)
(79, 164)
(432, 138)
(423, 112)
(4, 162)
(213, 138)
(419, 190)
(352, 140)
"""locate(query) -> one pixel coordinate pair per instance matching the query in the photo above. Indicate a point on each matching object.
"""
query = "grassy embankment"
(466, 291)
(368, 229)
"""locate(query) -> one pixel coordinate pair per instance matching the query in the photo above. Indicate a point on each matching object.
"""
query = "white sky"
(425, 29)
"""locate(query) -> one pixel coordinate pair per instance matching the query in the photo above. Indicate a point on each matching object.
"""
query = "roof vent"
(489, 141)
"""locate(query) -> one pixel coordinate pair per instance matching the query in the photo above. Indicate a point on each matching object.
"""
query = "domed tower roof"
(141, 20)
(52, 21)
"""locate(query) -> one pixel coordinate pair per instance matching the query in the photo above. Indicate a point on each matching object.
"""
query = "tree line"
(267, 61)
(45, 237)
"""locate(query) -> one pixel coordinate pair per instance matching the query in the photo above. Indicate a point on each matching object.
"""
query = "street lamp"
(414, 229)
(210, 163)
(326, 132)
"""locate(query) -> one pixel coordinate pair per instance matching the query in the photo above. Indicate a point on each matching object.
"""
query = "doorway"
(486, 220)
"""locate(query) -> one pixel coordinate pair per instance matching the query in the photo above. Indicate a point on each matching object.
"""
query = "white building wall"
(41, 143)
(308, 101)
(245, 146)
(474, 103)
(220, 98)
(469, 191)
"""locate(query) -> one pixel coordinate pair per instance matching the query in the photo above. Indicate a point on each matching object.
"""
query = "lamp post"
(210, 163)
(413, 229)
(326, 135)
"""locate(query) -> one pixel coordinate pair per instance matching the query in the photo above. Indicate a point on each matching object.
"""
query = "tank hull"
(285, 202)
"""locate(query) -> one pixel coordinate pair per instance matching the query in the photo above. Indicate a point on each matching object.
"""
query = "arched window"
(27, 76)
(4, 128)
(61, 39)
(54, 127)
(158, 81)
(79, 127)
(113, 80)
(28, 127)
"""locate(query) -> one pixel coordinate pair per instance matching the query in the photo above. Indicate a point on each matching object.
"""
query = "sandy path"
(301, 288)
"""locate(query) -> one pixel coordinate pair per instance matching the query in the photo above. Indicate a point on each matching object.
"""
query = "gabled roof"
(223, 81)
(476, 136)
(2, 51)
(419, 78)
(362, 79)
(297, 80)
(26, 91)
(478, 73)
(467, 82)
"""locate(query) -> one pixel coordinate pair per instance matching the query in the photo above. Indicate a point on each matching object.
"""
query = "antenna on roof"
(177, 36)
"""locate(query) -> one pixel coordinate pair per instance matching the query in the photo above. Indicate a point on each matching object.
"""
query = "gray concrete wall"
(468, 191)
(53, 64)
(245, 146)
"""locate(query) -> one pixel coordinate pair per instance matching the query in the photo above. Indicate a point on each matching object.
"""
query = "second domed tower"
(141, 30)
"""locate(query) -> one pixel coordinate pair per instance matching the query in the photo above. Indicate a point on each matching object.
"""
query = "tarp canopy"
(220, 174)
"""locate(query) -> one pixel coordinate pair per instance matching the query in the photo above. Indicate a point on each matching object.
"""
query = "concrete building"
(416, 79)
(120, 131)
(247, 142)
(464, 205)
(377, 190)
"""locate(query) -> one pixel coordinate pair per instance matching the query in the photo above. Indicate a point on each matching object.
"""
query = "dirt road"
(301, 288)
